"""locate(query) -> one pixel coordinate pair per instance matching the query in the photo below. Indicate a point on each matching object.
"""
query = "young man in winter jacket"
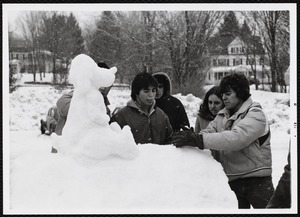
(241, 134)
(169, 104)
(148, 123)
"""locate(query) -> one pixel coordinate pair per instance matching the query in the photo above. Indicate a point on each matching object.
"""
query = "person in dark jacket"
(241, 134)
(148, 123)
(169, 104)
(282, 195)
(48, 126)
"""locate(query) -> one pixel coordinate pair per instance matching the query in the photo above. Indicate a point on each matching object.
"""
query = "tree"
(31, 26)
(73, 42)
(230, 25)
(185, 34)
(274, 29)
(61, 35)
(253, 49)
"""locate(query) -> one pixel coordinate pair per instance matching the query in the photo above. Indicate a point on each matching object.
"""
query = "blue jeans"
(254, 191)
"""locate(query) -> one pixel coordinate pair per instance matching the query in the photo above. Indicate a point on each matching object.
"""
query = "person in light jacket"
(241, 134)
(148, 123)
(169, 104)
(212, 104)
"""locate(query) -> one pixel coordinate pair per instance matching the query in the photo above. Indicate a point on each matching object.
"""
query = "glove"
(188, 138)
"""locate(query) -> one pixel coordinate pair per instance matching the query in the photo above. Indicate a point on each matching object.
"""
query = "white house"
(232, 58)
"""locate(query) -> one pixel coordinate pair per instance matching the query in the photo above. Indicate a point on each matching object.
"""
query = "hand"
(187, 138)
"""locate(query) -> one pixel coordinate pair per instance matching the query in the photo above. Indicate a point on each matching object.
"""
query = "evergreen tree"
(73, 41)
(105, 45)
(230, 26)
(245, 32)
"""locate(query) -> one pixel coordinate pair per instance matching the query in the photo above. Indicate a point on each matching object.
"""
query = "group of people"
(228, 123)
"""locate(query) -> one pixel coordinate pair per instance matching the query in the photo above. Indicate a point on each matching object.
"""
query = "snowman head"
(85, 74)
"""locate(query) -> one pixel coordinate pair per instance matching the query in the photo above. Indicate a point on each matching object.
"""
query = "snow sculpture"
(87, 133)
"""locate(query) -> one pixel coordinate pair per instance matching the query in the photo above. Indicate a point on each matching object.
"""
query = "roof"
(218, 44)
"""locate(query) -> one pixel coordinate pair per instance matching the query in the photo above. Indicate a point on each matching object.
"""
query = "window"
(221, 62)
(241, 61)
(17, 56)
(232, 50)
(227, 62)
(233, 62)
(237, 50)
(215, 62)
(241, 50)
(220, 75)
(24, 56)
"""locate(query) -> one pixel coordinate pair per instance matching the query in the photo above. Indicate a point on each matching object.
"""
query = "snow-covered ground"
(161, 179)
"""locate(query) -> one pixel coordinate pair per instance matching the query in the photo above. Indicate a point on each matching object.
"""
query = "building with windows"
(231, 55)
(26, 59)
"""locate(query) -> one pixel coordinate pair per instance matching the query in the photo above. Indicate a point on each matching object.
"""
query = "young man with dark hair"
(241, 134)
(148, 123)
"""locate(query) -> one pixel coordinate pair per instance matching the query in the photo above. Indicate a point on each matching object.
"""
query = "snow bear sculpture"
(87, 132)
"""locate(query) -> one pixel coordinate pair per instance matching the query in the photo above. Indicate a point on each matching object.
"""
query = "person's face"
(215, 104)
(231, 101)
(146, 96)
(160, 91)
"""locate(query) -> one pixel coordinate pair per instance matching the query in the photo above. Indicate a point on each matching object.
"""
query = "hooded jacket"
(238, 140)
(171, 105)
(146, 128)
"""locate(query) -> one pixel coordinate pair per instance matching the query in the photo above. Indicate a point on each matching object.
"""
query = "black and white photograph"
(149, 108)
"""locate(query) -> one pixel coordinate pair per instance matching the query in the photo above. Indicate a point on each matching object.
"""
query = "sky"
(159, 179)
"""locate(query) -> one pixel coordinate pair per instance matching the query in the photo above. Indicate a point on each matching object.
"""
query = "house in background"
(20, 53)
(230, 55)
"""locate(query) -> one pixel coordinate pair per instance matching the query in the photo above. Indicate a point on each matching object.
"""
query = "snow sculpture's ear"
(104, 77)
(113, 70)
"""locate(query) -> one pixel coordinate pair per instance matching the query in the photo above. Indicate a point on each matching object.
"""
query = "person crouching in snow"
(169, 104)
(241, 134)
(148, 123)
(48, 126)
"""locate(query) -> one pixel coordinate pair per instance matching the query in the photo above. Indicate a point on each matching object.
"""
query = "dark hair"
(237, 82)
(142, 81)
(102, 65)
(204, 111)
(163, 78)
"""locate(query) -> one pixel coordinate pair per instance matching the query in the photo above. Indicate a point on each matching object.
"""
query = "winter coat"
(243, 141)
(172, 106)
(282, 195)
(153, 128)
(51, 118)
(201, 123)
(63, 105)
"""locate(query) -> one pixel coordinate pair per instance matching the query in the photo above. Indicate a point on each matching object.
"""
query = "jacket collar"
(131, 103)
(245, 106)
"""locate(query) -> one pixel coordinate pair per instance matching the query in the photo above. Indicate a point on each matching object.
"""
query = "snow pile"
(87, 124)
(160, 179)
